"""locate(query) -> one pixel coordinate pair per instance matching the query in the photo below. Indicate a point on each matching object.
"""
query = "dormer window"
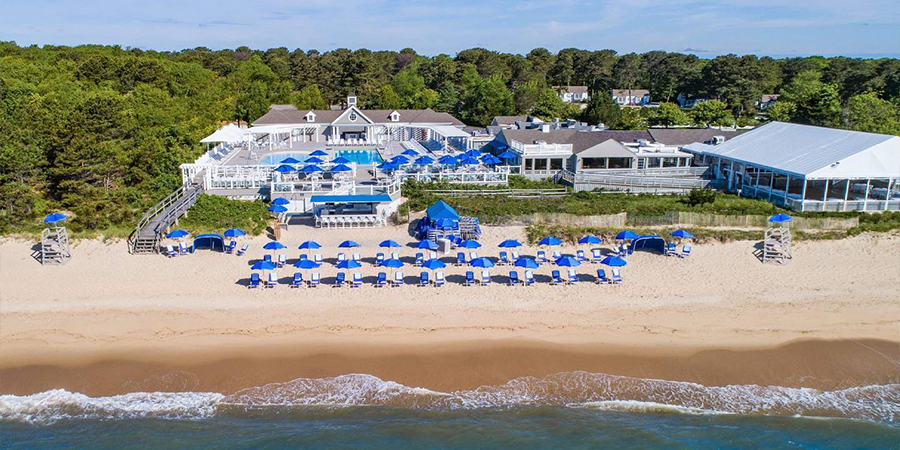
(395, 116)
(351, 100)
(310, 116)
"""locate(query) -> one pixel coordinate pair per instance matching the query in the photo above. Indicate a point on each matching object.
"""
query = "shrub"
(701, 197)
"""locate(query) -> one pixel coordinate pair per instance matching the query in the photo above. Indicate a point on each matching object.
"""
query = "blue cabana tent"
(210, 241)
(651, 242)
(441, 210)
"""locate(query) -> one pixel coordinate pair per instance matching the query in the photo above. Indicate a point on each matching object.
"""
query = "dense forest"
(100, 131)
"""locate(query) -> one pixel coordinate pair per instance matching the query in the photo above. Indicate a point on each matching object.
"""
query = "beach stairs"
(55, 248)
(777, 245)
(155, 223)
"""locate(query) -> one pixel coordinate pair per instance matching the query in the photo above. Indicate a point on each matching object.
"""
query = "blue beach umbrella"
(444, 223)
(447, 159)
(55, 217)
(468, 243)
(410, 152)
(625, 235)
(306, 264)
(318, 153)
(311, 169)
(682, 234)
(507, 155)
(591, 240)
(482, 262)
(314, 160)
(473, 153)
(284, 168)
(341, 168)
(280, 201)
(527, 263)
(341, 160)
(567, 261)
(424, 161)
(348, 244)
(234, 232)
(470, 161)
(278, 209)
(389, 244)
(490, 160)
(386, 166)
(780, 218)
(393, 263)
(263, 265)
(433, 264)
(550, 241)
(290, 160)
(349, 264)
(274, 245)
(614, 261)
(400, 160)
(428, 244)
(309, 245)
(177, 234)
(510, 243)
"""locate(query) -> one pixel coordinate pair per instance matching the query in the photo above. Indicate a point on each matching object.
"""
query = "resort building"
(807, 168)
(680, 137)
(573, 94)
(689, 101)
(631, 97)
(766, 101)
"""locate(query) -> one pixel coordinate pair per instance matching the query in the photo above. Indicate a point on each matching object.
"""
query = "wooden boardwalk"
(155, 223)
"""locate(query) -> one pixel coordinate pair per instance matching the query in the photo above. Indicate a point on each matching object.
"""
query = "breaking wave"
(880, 403)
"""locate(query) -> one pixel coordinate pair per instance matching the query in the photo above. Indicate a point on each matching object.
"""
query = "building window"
(556, 164)
(593, 163)
(352, 117)
(310, 117)
(670, 162)
(620, 163)
(529, 163)
(653, 162)
(395, 117)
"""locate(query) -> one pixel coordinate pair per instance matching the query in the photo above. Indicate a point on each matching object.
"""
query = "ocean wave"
(879, 403)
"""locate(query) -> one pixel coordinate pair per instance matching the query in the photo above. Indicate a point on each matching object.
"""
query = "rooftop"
(288, 114)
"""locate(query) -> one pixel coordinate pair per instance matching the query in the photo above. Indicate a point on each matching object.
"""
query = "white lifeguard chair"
(55, 248)
(777, 243)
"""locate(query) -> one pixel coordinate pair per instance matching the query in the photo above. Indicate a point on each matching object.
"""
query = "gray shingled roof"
(580, 140)
(680, 137)
(510, 120)
(284, 114)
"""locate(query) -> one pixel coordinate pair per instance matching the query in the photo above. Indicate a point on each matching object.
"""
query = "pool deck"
(243, 158)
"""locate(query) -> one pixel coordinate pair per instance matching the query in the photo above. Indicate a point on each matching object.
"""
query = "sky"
(859, 28)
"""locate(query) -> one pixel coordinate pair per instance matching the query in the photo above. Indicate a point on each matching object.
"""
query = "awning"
(441, 210)
(378, 198)
(448, 131)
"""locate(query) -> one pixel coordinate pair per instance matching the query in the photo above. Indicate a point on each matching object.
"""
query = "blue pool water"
(276, 158)
(360, 157)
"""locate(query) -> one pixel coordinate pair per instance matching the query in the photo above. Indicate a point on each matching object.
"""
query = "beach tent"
(651, 242)
(210, 241)
(441, 210)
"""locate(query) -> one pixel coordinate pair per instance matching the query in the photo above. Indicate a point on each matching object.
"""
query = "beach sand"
(109, 322)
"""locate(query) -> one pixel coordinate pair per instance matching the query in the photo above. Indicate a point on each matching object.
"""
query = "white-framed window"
(352, 116)
(395, 116)
(310, 116)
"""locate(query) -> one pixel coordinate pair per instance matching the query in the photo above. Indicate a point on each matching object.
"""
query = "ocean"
(567, 410)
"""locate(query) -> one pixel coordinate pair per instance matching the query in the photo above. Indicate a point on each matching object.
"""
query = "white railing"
(541, 149)
(651, 172)
(498, 177)
(639, 183)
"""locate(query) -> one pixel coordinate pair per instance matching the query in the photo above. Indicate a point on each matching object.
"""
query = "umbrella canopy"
(284, 168)
(444, 223)
(682, 234)
(410, 152)
(473, 153)
(428, 244)
(614, 261)
(310, 245)
(306, 264)
(470, 161)
(263, 265)
(389, 244)
(274, 245)
(491, 160)
(433, 264)
(400, 160)
(348, 244)
(550, 240)
(311, 168)
(527, 263)
(780, 218)
(507, 155)
(510, 243)
(393, 263)
(341, 160)
(624, 235)
(281, 201)
(314, 160)
(468, 243)
(567, 261)
(387, 166)
(290, 160)
(177, 234)
(277, 209)
(482, 262)
(318, 153)
(447, 159)
(341, 168)
(424, 161)
(349, 264)
(55, 217)
(590, 240)
(234, 232)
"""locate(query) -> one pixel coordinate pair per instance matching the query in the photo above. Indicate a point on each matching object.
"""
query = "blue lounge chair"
(297, 281)
(170, 251)
(420, 258)
(432, 255)
(423, 279)
(254, 281)
(379, 258)
(529, 278)
(556, 255)
(460, 259)
(572, 276)
(282, 260)
(616, 276)
(579, 255)
(381, 280)
(503, 259)
(341, 258)
(230, 247)
(485, 277)
(685, 250)
(596, 255)
(623, 250)
(473, 256)
(541, 257)
(272, 281)
(439, 279)
(267, 258)
(315, 279)
(515, 256)
(395, 255)
(303, 257)
(470, 278)
(398, 279)
(356, 257)
(555, 277)
(601, 277)
(357, 280)
(183, 248)
(317, 258)
(514, 278)
(339, 279)
(671, 249)
(243, 249)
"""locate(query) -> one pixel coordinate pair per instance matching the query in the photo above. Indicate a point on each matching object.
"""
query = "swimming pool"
(360, 156)
(276, 158)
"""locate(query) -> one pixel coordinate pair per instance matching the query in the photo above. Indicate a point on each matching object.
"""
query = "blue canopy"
(567, 261)
(314, 160)
(491, 160)
(445, 223)
(341, 168)
(624, 235)
(433, 264)
(682, 234)
(510, 243)
(389, 244)
(348, 244)
(306, 264)
(234, 232)
(424, 161)
(392, 263)
(263, 265)
(210, 241)
(648, 242)
(341, 160)
(527, 263)
(55, 217)
(550, 240)
(349, 264)
(310, 245)
(400, 160)
(482, 262)
(473, 153)
(614, 261)
(470, 161)
(441, 210)
(780, 218)
(277, 209)
(410, 152)
(386, 166)
(177, 234)
(428, 244)
(592, 240)
(507, 155)
(469, 243)
(284, 168)
(447, 159)
(274, 245)
(318, 153)
(311, 169)
(290, 160)
(281, 201)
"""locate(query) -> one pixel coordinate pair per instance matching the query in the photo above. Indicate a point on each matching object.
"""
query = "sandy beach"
(109, 322)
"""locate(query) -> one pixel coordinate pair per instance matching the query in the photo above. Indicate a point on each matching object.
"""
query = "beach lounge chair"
(420, 258)
(267, 258)
(556, 255)
(460, 259)
(616, 276)
(357, 280)
(514, 278)
(303, 257)
(297, 281)
(340, 279)
(515, 256)
(503, 259)
(423, 279)
(230, 247)
(573, 277)
(243, 248)
(272, 281)
(357, 258)
(381, 280)
(341, 258)
(623, 250)
(470, 278)
(439, 279)
(432, 255)
(183, 248)
(317, 258)
(541, 257)
(315, 279)
(671, 250)
(379, 258)
(395, 255)
(529, 278)
(254, 281)
(398, 279)
(601, 277)
(579, 255)
(170, 251)
(485, 277)
(596, 255)
(685, 250)
(473, 256)
(555, 277)
(282, 259)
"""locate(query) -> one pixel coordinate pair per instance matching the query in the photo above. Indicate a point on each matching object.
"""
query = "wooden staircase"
(155, 223)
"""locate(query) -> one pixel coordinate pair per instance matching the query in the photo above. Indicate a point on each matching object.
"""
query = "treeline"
(100, 131)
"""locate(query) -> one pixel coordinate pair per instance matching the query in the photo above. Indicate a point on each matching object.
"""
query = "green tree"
(486, 99)
(406, 84)
(602, 109)
(817, 103)
(310, 97)
(426, 98)
(782, 111)
(867, 112)
(550, 106)
(667, 115)
(712, 113)
(630, 119)
(386, 98)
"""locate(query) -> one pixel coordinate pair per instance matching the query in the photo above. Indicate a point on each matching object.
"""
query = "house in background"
(631, 97)
(688, 101)
(766, 101)
(508, 122)
(573, 94)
